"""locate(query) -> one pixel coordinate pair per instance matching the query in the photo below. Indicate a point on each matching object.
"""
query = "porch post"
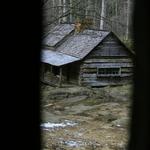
(79, 77)
(42, 71)
(60, 77)
(51, 68)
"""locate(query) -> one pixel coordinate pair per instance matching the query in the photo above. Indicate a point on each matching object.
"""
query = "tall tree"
(112, 15)
(71, 11)
(102, 15)
(128, 19)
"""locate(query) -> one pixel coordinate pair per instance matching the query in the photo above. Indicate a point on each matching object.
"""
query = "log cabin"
(92, 58)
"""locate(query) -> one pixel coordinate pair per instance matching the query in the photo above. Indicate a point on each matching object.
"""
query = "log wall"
(111, 53)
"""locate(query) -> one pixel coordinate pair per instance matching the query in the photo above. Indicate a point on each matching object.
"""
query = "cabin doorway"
(55, 70)
(72, 72)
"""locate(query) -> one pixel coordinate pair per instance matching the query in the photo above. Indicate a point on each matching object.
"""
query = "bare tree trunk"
(94, 20)
(64, 10)
(116, 13)
(102, 15)
(116, 8)
(60, 10)
(128, 19)
(71, 11)
(53, 3)
(87, 9)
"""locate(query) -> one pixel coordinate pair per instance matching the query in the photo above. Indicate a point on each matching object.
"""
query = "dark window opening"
(108, 71)
(55, 70)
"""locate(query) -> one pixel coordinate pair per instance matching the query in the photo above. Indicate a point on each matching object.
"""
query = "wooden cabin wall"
(110, 53)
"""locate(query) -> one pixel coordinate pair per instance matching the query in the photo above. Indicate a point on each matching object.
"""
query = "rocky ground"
(79, 118)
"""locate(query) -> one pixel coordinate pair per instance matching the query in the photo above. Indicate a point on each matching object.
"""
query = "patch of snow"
(118, 125)
(80, 134)
(74, 143)
(70, 123)
(50, 125)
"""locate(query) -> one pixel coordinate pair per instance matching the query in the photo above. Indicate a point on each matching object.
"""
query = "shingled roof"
(57, 34)
(56, 58)
(81, 44)
(75, 47)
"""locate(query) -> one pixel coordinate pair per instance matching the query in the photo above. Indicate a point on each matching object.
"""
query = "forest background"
(112, 15)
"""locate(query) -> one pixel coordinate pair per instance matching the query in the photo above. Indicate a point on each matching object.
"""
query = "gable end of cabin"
(109, 63)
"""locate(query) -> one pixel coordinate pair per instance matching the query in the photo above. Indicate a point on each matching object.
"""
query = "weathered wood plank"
(108, 75)
(105, 83)
(104, 78)
(126, 74)
(93, 75)
(126, 70)
(107, 79)
(109, 65)
(111, 46)
(107, 60)
(89, 70)
(101, 79)
(111, 42)
(99, 84)
(107, 51)
(88, 80)
(106, 45)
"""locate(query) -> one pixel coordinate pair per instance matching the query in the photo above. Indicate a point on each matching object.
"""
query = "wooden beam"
(60, 77)
(51, 68)
(79, 77)
(107, 65)
(108, 60)
(42, 71)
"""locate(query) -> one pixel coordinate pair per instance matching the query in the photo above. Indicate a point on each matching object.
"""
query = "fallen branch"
(48, 105)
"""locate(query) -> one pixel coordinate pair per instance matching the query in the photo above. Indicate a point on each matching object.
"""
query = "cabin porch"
(59, 75)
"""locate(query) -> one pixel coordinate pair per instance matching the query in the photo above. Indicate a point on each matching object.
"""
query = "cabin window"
(108, 71)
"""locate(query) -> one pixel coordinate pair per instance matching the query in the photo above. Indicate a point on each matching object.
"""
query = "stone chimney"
(78, 26)
(81, 25)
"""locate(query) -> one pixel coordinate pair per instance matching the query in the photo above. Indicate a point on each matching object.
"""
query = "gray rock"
(121, 123)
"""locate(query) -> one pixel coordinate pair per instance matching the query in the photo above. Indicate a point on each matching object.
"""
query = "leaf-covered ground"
(79, 118)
